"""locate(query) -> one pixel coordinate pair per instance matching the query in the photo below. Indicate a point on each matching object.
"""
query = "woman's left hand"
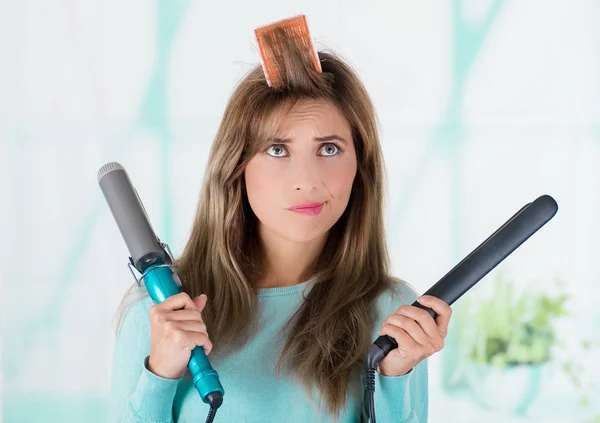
(418, 335)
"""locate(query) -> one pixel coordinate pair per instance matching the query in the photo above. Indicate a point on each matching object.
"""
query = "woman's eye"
(276, 150)
(330, 149)
(327, 150)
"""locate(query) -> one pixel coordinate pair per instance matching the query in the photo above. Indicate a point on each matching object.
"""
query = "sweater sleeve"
(400, 399)
(136, 394)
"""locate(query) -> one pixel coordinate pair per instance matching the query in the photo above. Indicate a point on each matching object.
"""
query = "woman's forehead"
(278, 120)
(320, 114)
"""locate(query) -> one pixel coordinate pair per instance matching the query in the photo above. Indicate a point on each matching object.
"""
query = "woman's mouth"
(312, 209)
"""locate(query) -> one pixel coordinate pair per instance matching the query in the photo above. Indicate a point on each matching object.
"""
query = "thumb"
(200, 301)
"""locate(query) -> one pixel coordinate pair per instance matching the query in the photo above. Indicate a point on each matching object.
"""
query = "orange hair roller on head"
(297, 29)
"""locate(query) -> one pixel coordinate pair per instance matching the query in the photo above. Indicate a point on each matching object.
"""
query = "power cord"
(211, 415)
(370, 392)
(215, 399)
(379, 349)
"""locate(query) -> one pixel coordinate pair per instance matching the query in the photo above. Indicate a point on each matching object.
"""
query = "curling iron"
(154, 261)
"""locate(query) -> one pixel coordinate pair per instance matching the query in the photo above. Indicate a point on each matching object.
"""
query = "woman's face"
(310, 161)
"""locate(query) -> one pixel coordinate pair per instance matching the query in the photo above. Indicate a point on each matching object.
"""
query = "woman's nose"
(305, 176)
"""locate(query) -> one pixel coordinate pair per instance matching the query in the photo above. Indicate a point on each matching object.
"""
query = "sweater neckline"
(283, 290)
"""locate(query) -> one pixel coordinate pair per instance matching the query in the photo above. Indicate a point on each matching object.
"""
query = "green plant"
(583, 383)
(510, 329)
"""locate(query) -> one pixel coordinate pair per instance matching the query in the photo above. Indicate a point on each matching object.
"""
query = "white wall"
(470, 135)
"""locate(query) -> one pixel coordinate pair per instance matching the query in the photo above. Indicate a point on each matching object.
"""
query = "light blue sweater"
(253, 392)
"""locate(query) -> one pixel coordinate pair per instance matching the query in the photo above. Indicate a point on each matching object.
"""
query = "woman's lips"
(309, 209)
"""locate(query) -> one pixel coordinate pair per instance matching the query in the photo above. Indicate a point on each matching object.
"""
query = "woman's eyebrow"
(332, 137)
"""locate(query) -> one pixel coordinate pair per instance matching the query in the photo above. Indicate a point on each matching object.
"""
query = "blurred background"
(483, 107)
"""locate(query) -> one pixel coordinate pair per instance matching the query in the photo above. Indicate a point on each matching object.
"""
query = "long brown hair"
(332, 329)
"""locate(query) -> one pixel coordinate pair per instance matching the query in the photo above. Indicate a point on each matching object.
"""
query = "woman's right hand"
(176, 329)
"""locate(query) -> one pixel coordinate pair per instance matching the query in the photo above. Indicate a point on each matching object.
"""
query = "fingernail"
(423, 298)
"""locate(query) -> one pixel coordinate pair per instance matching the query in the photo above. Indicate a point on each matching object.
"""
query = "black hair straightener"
(467, 273)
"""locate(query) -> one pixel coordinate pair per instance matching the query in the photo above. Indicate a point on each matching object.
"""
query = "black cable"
(214, 399)
(370, 390)
(374, 355)
(211, 415)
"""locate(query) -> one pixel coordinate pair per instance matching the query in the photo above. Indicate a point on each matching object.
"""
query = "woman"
(286, 272)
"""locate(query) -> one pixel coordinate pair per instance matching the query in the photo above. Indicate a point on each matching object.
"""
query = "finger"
(181, 315)
(191, 340)
(442, 309)
(403, 339)
(177, 302)
(200, 301)
(192, 326)
(411, 327)
(424, 320)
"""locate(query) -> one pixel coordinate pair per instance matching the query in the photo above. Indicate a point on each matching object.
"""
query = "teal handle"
(160, 285)
(205, 378)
